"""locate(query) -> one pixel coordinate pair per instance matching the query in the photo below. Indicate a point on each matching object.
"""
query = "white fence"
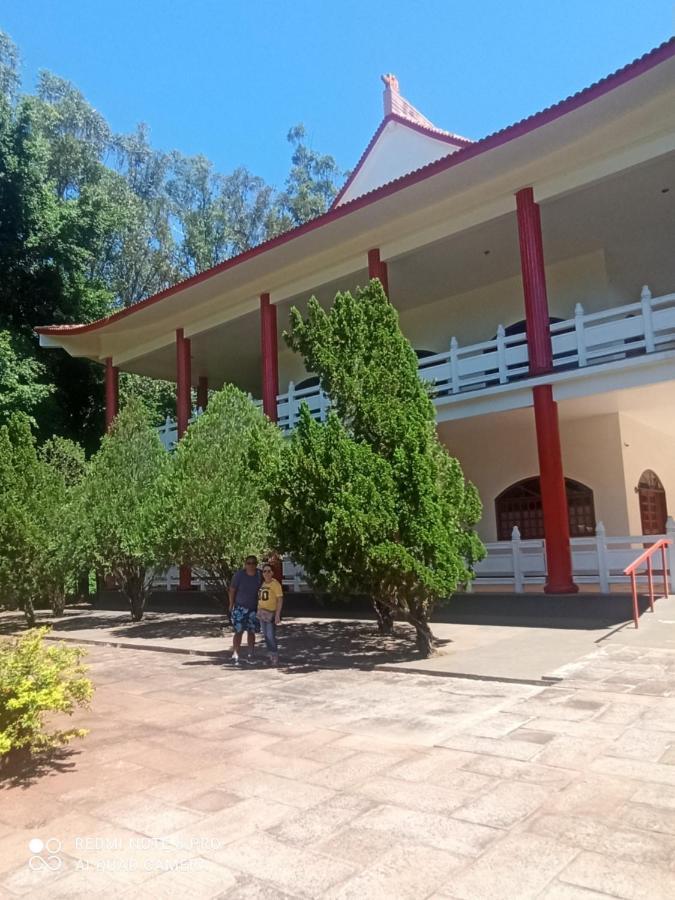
(589, 339)
(598, 560)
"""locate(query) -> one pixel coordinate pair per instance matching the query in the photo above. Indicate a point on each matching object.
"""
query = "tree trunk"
(425, 639)
(57, 601)
(29, 613)
(134, 588)
(385, 617)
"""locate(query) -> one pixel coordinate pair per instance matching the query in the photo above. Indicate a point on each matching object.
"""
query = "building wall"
(499, 450)
(646, 444)
(474, 316)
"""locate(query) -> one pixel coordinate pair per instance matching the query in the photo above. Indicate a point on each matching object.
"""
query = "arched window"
(521, 505)
(652, 499)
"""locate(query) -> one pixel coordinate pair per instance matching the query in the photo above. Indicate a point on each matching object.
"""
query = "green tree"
(371, 502)
(20, 387)
(216, 514)
(118, 506)
(36, 564)
(311, 185)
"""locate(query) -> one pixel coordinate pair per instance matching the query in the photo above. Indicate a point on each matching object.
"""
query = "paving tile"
(147, 815)
(635, 769)
(430, 764)
(212, 834)
(289, 868)
(352, 771)
(404, 873)
(423, 796)
(589, 834)
(429, 829)
(211, 801)
(316, 824)
(658, 795)
(253, 889)
(500, 725)
(557, 890)
(511, 769)
(598, 796)
(639, 743)
(520, 865)
(509, 749)
(628, 880)
(504, 805)
(572, 752)
(360, 847)
(647, 818)
(194, 879)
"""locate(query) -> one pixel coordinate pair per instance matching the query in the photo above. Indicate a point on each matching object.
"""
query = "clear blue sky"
(227, 78)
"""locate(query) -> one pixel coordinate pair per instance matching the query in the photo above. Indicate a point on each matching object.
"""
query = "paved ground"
(526, 652)
(198, 780)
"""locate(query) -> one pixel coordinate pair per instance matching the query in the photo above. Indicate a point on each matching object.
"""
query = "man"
(243, 605)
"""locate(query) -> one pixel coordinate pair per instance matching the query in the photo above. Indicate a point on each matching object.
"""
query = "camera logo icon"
(45, 855)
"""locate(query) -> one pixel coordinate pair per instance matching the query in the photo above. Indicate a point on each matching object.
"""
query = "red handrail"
(633, 567)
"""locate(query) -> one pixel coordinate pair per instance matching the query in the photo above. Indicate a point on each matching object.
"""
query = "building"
(534, 272)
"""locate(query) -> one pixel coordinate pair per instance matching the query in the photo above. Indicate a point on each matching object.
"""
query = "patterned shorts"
(243, 619)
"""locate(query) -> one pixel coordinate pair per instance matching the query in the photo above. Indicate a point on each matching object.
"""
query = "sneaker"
(235, 659)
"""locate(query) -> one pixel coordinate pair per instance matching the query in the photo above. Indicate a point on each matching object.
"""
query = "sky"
(228, 78)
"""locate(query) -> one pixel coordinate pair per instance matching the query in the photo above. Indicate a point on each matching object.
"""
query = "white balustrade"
(587, 339)
(598, 559)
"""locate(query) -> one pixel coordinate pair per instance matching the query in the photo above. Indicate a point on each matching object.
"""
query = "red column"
(112, 389)
(203, 392)
(269, 356)
(553, 496)
(378, 269)
(183, 382)
(183, 409)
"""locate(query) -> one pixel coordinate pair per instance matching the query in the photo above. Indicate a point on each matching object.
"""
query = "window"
(652, 499)
(521, 505)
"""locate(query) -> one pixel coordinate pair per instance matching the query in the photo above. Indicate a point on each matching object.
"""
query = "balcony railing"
(586, 340)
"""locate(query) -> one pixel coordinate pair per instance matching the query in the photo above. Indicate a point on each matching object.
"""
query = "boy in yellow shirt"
(270, 602)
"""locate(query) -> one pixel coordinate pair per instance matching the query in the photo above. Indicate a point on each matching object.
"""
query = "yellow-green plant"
(36, 679)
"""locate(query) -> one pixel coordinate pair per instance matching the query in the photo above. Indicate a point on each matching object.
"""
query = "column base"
(568, 588)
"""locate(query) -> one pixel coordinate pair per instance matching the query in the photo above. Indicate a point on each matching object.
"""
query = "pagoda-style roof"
(405, 141)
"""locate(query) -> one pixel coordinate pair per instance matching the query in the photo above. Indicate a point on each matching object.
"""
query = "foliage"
(36, 680)
(215, 513)
(311, 186)
(36, 563)
(92, 221)
(20, 388)
(371, 502)
(118, 505)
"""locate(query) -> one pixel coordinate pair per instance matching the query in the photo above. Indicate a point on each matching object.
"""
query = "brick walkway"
(201, 781)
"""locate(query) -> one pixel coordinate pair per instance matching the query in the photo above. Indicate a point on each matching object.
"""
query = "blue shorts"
(243, 619)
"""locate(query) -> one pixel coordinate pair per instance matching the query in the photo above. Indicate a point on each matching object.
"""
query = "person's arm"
(232, 591)
(279, 606)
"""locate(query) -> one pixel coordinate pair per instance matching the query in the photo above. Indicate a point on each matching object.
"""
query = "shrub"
(36, 679)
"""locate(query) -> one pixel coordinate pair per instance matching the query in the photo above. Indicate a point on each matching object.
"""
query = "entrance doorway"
(652, 499)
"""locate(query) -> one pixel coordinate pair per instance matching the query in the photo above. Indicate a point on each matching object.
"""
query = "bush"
(35, 680)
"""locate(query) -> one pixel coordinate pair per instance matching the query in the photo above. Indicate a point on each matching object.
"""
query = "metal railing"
(646, 558)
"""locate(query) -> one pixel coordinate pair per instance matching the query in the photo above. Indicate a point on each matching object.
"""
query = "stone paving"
(199, 780)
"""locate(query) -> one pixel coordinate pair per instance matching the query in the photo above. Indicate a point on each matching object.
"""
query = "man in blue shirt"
(243, 605)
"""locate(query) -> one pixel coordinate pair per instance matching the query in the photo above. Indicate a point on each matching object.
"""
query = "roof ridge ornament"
(395, 104)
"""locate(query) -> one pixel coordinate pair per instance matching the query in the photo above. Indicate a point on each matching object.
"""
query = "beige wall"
(496, 451)
(646, 444)
(474, 316)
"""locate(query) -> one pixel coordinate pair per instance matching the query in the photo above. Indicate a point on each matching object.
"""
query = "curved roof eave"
(632, 70)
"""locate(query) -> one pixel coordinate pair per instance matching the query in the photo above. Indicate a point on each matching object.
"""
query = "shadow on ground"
(23, 769)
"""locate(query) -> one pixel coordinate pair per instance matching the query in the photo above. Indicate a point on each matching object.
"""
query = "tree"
(311, 185)
(35, 488)
(371, 502)
(215, 514)
(20, 388)
(119, 506)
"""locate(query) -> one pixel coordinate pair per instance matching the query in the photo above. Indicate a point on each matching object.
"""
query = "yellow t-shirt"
(269, 595)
